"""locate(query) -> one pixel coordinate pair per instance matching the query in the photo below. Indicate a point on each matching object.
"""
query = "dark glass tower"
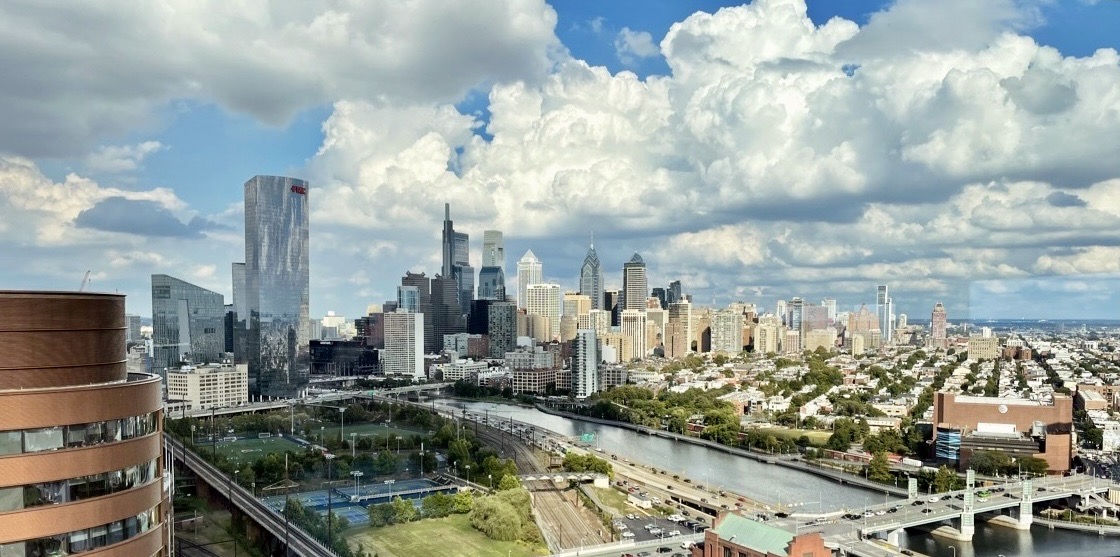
(591, 278)
(456, 260)
(188, 323)
(276, 285)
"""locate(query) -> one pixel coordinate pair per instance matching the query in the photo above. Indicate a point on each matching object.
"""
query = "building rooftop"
(753, 534)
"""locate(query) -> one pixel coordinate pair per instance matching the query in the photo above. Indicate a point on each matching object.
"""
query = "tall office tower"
(229, 321)
(634, 328)
(456, 260)
(502, 328)
(674, 294)
(782, 311)
(188, 323)
(591, 278)
(585, 364)
(423, 286)
(681, 312)
(408, 299)
(81, 436)
(493, 249)
(611, 299)
(544, 300)
(478, 322)
(796, 314)
(676, 340)
(577, 306)
(768, 335)
(659, 294)
(240, 319)
(447, 316)
(529, 271)
(883, 312)
(814, 318)
(902, 321)
(371, 329)
(865, 324)
(830, 306)
(727, 332)
(939, 327)
(276, 285)
(600, 320)
(657, 321)
(133, 324)
(404, 345)
(635, 288)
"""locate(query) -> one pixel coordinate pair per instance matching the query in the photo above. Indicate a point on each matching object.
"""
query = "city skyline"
(755, 153)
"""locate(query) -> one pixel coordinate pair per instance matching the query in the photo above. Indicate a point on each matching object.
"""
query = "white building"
(530, 270)
(404, 345)
(461, 369)
(210, 386)
(634, 328)
(727, 332)
(544, 300)
(585, 364)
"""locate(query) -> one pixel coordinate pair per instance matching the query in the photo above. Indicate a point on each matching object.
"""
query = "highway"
(302, 544)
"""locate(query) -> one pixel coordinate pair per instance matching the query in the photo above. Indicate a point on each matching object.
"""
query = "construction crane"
(85, 282)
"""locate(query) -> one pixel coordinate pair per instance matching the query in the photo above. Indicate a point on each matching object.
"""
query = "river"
(766, 482)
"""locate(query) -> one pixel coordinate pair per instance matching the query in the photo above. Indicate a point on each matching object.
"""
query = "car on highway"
(927, 511)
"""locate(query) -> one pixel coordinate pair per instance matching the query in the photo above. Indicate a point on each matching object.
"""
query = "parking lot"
(661, 528)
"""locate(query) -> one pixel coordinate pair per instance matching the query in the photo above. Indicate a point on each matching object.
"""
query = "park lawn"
(816, 436)
(447, 537)
(612, 498)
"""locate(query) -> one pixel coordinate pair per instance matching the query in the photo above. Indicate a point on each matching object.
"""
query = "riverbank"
(793, 463)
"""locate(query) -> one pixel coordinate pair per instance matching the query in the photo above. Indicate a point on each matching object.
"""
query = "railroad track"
(561, 522)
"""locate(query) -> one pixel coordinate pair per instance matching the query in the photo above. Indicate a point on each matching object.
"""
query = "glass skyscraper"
(276, 285)
(188, 323)
(591, 278)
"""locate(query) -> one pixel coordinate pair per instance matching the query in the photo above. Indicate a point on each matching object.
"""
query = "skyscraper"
(635, 288)
(585, 364)
(591, 278)
(240, 317)
(674, 294)
(634, 327)
(447, 316)
(883, 310)
(830, 307)
(502, 318)
(611, 305)
(456, 260)
(423, 286)
(678, 339)
(727, 332)
(544, 300)
(408, 299)
(188, 323)
(404, 345)
(796, 317)
(276, 285)
(492, 276)
(939, 323)
(529, 271)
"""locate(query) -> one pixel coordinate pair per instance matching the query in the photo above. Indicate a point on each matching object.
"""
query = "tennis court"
(356, 515)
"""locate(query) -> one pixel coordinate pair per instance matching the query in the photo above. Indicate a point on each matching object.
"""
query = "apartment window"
(11, 442)
(46, 439)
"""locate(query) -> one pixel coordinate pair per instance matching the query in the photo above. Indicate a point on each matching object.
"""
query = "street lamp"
(232, 527)
(390, 484)
(468, 472)
(353, 445)
(357, 481)
(329, 457)
(491, 477)
(341, 425)
(398, 446)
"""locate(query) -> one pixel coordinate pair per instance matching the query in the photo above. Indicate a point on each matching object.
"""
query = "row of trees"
(586, 463)
(437, 505)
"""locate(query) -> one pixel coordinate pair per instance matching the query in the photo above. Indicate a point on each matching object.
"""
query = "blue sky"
(958, 167)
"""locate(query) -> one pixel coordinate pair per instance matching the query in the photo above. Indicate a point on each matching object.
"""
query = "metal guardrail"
(301, 543)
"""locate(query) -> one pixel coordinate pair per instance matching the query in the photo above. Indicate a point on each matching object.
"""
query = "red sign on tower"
(299, 189)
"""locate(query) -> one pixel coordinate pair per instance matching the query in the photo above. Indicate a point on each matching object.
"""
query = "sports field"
(249, 450)
(368, 430)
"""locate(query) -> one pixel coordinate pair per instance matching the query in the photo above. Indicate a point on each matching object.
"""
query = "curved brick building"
(80, 438)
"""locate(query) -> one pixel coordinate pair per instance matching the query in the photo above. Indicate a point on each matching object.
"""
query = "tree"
(946, 480)
(381, 515)
(989, 463)
(403, 511)
(437, 505)
(495, 518)
(879, 469)
(509, 482)
(1033, 465)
